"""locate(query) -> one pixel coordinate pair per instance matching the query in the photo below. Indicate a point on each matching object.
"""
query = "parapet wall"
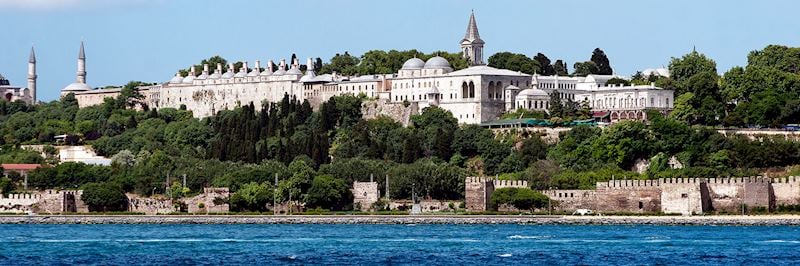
(150, 205)
(365, 194)
(213, 200)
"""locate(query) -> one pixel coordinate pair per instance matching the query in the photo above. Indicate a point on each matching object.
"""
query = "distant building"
(615, 103)
(13, 93)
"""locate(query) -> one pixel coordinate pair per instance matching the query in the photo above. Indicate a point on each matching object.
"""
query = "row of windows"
(553, 86)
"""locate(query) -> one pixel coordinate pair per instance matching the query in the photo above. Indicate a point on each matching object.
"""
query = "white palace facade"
(476, 94)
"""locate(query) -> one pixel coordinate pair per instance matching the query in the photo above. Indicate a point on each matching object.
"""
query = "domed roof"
(177, 79)
(279, 72)
(228, 74)
(432, 90)
(215, 75)
(532, 93)
(437, 62)
(188, 79)
(77, 87)
(242, 73)
(294, 71)
(413, 63)
(202, 76)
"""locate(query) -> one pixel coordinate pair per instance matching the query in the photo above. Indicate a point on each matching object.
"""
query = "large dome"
(414, 63)
(77, 87)
(437, 62)
(532, 93)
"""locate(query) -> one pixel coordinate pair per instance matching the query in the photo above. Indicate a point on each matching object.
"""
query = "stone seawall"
(423, 219)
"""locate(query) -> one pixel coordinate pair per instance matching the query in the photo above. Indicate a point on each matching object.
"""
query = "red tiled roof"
(20, 166)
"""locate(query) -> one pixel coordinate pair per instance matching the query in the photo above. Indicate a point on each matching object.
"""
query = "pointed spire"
(32, 58)
(472, 29)
(81, 54)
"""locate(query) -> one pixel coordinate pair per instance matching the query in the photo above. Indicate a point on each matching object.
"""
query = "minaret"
(32, 76)
(81, 66)
(472, 45)
(310, 67)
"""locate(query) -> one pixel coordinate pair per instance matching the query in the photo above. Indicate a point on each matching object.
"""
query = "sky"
(149, 40)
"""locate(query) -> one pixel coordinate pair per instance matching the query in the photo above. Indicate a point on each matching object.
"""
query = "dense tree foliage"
(104, 197)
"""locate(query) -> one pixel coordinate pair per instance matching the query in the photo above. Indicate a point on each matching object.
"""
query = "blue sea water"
(398, 244)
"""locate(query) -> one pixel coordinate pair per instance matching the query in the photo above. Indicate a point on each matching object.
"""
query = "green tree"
(104, 197)
(600, 59)
(583, 69)
(544, 64)
(514, 62)
(252, 197)
(328, 192)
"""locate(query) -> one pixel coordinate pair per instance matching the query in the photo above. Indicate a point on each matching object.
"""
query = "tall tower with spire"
(472, 45)
(81, 66)
(32, 76)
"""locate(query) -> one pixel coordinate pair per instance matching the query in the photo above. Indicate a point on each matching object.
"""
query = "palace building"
(476, 94)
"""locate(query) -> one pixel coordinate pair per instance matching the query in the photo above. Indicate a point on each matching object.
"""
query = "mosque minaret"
(80, 80)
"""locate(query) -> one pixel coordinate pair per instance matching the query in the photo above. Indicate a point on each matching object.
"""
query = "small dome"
(279, 72)
(77, 87)
(242, 73)
(266, 73)
(532, 93)
(202, 76)
(228, 74)
(432, 90)
(215, 75)
(294, 71)
(437, 62)
(177, 79)
(413, 63)
(189, 79)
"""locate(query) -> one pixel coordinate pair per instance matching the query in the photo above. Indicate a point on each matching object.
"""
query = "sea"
(316, 244)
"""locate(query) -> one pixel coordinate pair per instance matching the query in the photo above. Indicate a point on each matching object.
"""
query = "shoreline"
(761, 220)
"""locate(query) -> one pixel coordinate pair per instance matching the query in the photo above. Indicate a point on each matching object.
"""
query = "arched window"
(491, 89)
(498, 88)
(471, 89)
(464, 90)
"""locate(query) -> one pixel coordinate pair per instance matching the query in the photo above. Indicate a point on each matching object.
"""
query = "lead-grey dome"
(413, 63)
(437, 62)
(77, 87)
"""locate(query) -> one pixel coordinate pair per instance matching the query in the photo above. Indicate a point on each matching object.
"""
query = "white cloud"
(61, 4)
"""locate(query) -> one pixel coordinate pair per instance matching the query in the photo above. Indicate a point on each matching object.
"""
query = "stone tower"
(32, 76)
(81, 66)
(472, 45)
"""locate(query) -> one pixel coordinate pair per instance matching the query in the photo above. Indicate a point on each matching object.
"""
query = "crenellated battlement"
(628, 184)
(21, 196)
(787, 180)
(510, 184)
(738, 180)
(478, 179)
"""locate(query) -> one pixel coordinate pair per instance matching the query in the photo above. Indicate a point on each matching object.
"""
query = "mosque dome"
(77, 87)
(189, 79)
(532, 93)
(177, 79)
(413, 63)
(437, 62)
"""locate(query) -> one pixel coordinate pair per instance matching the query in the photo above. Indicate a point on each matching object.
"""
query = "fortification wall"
(426, 206)
(150, 206)
(564, 200)
(728, 194)
(636, 196)
(365, 194)
(396, 111)
(18, 203)
(681, 195)
(786, 190)
(498, 184)
(477, 193)
(213, 200)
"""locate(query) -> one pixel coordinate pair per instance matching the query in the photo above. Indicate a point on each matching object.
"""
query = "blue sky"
(149, 40)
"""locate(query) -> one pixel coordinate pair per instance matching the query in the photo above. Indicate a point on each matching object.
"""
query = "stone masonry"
(365, 194)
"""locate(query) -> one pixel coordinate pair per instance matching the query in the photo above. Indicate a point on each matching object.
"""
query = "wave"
(782, 241)
(504, 255)
(528, 237)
